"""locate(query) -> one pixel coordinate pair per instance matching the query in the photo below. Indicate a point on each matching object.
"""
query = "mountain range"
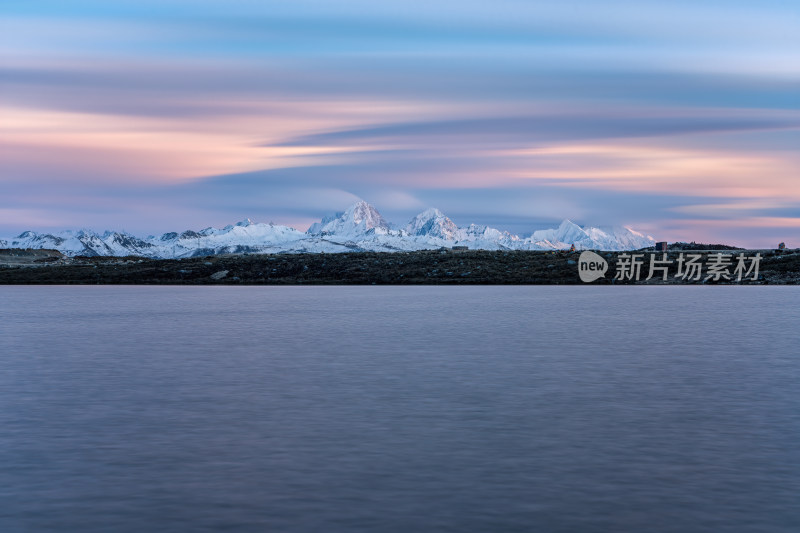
(359, 228)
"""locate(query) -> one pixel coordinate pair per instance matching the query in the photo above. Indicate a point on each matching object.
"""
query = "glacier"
(359, 228)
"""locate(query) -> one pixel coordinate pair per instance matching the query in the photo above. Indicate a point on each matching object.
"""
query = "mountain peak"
(361, 211)
(568, 224)
(432, 223)
(356, 219)
(431, 212)
(567, 232)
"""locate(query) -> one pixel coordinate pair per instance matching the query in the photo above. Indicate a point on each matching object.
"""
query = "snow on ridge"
(359, 228)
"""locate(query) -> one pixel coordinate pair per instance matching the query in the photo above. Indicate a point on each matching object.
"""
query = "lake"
(400, 409)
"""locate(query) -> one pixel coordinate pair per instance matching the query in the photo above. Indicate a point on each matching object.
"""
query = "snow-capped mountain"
(243, 237)
(433, 223)
(359, 228)
(612, 238)
(568, 231)
(356, 220)
(83, 242)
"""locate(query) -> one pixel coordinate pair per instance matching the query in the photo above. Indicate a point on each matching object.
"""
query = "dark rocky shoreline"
(472, 267)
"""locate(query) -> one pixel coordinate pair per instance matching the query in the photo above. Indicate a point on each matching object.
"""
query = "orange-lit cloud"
(144, 149)
(664, 169)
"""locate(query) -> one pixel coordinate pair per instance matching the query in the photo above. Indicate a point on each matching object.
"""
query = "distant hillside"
(689, 246)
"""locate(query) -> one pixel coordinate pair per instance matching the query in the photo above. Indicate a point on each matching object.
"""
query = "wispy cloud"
(669, 116)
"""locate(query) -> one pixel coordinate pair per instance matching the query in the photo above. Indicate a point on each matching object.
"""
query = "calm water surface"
(553, 409)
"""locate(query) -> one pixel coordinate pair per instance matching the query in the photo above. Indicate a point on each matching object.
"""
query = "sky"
(680, 119)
